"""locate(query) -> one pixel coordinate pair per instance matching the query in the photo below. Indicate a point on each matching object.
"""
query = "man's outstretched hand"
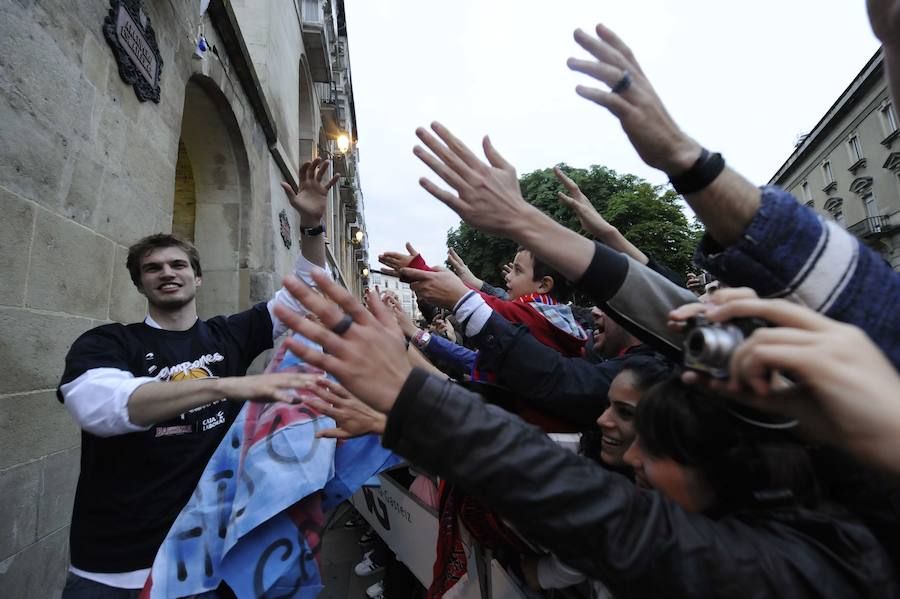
(311, 199)
(369, 358)
(487, 193)
(441, 288)
(653, 133)
(352, 416)
(591, 220)
(397, 260)
(463, 271)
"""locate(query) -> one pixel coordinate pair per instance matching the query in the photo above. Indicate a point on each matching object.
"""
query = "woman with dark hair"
(616, 423)
(710, 457)
(607, 446)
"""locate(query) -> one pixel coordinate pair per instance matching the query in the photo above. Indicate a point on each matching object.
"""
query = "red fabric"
(450, 557)
(486, 528)
(419, 263)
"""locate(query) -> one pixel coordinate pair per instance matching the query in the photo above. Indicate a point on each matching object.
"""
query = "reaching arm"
(569, 388)
(462, 271)
(638, 542)
(592, 221)
(108, 401)
(310, 202)
(595, 520)
(727, 205)
(159, 401)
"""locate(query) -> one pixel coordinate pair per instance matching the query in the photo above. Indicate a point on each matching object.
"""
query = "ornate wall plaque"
(128, 31)
(285, 229)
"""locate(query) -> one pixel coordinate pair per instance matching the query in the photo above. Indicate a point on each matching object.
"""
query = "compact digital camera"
(708, 346)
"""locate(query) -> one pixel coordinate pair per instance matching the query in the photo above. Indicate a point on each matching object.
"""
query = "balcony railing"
(873, 226)
(318, 33)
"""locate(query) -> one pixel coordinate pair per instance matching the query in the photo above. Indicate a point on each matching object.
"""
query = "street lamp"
(359, 236)
(343, 143)
(365, 272)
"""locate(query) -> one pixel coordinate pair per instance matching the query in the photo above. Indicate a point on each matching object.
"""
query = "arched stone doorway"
(212, 191)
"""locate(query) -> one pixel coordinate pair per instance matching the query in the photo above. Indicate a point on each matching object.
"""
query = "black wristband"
(702, 173)
(313, 231)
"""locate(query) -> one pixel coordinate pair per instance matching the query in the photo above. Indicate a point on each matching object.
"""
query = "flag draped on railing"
(255, 519)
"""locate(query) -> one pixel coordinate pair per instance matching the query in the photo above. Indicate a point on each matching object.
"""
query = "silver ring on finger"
(623, 84)
(343, 324)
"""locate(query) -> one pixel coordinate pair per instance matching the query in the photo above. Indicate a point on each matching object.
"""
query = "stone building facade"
(86, 169)
(847, 167)
(407, 296)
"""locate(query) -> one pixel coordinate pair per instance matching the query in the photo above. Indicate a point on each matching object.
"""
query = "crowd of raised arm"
(758, 430)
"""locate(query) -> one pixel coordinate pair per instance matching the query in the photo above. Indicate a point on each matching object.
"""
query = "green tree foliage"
(649, 216)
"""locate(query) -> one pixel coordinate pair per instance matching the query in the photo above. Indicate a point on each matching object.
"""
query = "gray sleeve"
(635, 296)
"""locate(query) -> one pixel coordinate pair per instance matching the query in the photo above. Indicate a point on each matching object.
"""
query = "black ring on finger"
(343, 324)
(623, 84)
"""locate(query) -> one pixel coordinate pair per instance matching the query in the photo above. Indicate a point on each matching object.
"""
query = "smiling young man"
(155, 398)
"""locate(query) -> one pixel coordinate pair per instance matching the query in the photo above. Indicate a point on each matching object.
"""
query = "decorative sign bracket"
(128, 31)
(285, 229)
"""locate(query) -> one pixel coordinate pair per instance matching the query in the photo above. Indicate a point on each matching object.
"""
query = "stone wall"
(85, 170)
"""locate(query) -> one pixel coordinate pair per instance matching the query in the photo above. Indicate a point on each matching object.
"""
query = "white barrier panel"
(409, 528)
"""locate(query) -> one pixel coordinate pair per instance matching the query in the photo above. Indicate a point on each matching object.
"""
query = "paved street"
(340, 552)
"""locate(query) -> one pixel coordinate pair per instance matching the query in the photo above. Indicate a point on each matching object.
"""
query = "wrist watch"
(421, 339)
(313, 231)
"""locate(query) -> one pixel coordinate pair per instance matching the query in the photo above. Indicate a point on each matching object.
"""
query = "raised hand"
(353, 417)
(369, 358)
(311, 199)
(441, 288)
(398, 260)
(507, 270)
(405, 323)
(846, 390)
(487, 194)
(592, 221)
(462, 271)
(652, 131)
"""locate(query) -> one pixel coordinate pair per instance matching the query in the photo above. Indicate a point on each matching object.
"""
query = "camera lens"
(713, 345)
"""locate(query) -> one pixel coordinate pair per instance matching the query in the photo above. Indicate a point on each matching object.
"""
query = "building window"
(827, 172)
(807, 192)
(835, 207)
(855, 147)
(890, 119)
(868, 199)
(810, 204)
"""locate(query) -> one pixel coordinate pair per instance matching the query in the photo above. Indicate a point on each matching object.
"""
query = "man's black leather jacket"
(639, 543)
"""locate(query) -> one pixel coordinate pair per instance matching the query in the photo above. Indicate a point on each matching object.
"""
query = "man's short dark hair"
(562, 289)
(155, 242)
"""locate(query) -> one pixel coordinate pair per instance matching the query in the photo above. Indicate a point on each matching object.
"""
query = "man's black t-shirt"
(132, 486)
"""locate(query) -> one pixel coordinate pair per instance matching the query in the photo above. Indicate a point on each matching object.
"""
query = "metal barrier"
(410, 529)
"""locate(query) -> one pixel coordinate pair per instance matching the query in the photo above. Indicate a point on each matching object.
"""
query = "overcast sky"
(742, 78)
